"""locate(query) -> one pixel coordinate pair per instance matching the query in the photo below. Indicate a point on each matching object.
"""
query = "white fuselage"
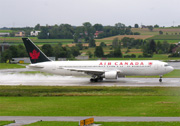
(123, 67)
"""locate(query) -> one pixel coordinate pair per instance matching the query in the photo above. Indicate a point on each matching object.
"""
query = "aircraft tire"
(91, 80)
(96, 80)
(100, 79)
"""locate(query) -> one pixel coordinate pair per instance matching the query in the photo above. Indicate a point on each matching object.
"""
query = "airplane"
(98, 70)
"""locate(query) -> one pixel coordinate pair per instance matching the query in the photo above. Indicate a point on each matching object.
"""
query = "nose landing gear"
(160, 79)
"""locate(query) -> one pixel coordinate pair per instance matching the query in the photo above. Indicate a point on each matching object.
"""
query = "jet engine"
(111, 75)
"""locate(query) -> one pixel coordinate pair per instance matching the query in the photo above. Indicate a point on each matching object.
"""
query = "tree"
(78, 35)
(75, 51)
(88, 30)
(21, 51)
(80, 46)
(99, 51)
(63, 31)
(102, 44)
(161, 32)
(147, 52)
(159, 47)
(92, 43)
(156, 26)
(136, 33)
(116, 42)
(152, 46)
(89, 54)
(6, 55)
(119, 25)
(37, 27)
(165, 47)
(68, 52)
(13, 52)
(98, 27)
(150, 27)
(136, 26)
(47, 49)
(44, 34)
(117, 52)
(172, 46)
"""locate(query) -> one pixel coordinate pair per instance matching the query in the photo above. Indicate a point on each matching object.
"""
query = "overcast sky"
(21, 13)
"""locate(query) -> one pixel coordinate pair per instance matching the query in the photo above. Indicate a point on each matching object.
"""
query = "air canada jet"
(96, 69)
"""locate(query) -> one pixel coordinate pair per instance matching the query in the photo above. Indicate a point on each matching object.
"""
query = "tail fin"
(35, 54)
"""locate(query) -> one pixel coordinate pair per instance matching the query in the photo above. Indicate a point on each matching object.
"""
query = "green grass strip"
(151, 106)
(46, 91)
(54, 123)
(2, 123)
(10, 66)
(174, 74)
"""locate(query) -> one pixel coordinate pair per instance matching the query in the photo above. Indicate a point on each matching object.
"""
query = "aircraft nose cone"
(170, 68)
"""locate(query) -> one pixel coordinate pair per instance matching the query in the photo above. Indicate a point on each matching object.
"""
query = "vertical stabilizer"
(35, 54)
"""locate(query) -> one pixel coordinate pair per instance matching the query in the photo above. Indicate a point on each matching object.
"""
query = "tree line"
(57, 51)
(148, 47)
(82, 33)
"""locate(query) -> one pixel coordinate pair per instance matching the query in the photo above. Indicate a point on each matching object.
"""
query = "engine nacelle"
(111, 75)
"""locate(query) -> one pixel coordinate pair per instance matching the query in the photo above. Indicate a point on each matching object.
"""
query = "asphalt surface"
(22, 120)
(14, 77)
(73, 81)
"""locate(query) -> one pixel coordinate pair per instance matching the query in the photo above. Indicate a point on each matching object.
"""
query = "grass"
(163, 57)
(5, 31)
(89, 101)
(55, 123)
(47, 91)
(165, 37)
(139, 123)
(10, 66)
(2, 123)
(169, 41)
(145, 31)
(34, 39)
(174, 74)
(150, 106)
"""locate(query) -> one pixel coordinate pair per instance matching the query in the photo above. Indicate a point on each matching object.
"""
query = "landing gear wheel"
(160, 79)
(100, 79)
(96, 80)
(91, 80)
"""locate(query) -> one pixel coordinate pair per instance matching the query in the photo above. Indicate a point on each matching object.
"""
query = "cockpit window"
(166, 65)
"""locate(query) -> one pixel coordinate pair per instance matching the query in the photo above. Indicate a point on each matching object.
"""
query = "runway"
(14, 77)
(23, 120)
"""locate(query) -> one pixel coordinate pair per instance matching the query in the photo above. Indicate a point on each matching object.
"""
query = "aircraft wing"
(88, 71)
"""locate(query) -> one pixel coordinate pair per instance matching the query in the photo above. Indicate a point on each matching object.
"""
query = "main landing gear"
(160, 79)
(96, 79)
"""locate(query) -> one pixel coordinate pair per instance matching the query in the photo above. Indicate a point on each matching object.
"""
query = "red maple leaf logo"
(34, 54)
(150, 63)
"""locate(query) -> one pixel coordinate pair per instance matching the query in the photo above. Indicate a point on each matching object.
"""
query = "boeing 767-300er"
(96, 69)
